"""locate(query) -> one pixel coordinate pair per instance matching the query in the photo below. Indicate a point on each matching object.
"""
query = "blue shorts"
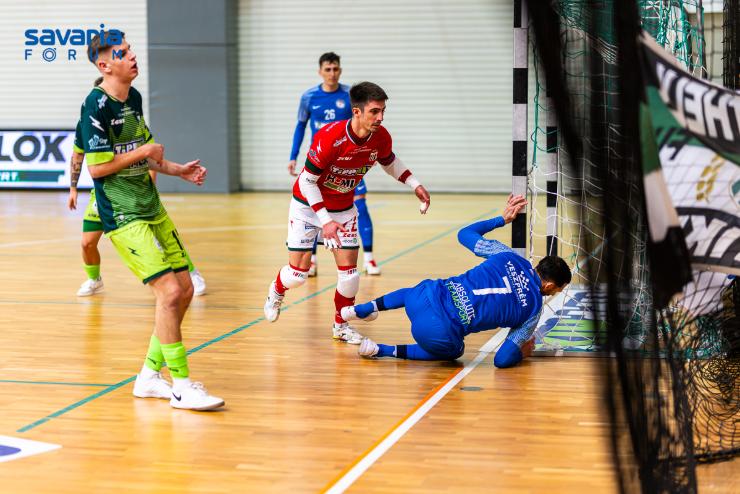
(361, 189)
(432, 332)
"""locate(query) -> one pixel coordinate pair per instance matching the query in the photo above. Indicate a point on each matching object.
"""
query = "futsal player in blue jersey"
(502, 291)
(320, 105)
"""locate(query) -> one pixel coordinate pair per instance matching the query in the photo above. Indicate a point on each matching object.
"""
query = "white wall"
(446, 67)
(39, 94)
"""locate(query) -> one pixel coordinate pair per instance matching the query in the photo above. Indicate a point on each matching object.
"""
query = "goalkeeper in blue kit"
(503, 291)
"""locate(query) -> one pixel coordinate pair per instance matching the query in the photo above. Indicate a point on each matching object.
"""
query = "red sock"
(279, 287)
(339, 302)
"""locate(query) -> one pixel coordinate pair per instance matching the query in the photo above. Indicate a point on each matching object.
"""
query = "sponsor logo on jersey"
(519, 282)
(340, 183)
(461, 301)
(96, 123)
(349, 172)
(102, 100)
(339, 142)
(344, 158)
(314, 156)
(117, 121)
(341, 103)
(373, 155)
(97, 142)
(315, 107)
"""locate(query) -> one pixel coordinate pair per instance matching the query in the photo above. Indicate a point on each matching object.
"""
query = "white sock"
(368, 257)
(313, 258)
(178, 384)
(146, 372)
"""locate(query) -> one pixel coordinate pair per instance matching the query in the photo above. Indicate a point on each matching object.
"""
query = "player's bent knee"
(291, 277)
(508, 355)
(348, 281)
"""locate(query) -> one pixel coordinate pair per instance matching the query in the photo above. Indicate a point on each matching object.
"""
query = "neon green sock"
(93, 271)
(191, 266)
(177, 359)
(154, 356)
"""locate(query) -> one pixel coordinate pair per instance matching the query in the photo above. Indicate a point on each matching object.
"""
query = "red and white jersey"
(341, 159)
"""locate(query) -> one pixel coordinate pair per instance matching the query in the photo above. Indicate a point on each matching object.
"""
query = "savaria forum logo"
(69, 44)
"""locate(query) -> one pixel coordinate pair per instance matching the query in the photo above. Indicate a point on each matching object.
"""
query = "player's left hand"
(193, 172)
(330, 234)
(514, 204)
(72, 201)
(528, 348)
(424, 198)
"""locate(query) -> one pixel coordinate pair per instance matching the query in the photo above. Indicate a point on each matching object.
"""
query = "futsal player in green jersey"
(120, 151)
(92, 227)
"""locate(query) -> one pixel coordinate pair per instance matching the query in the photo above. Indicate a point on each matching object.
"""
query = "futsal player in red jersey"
(323, 201)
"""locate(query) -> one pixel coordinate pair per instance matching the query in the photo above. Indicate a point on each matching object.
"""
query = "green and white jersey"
(111, 127)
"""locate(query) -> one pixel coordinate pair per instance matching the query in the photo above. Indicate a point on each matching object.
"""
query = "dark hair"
(363, 93)
(98, 81)
(329, 57)
(101, 44)
(555, 269)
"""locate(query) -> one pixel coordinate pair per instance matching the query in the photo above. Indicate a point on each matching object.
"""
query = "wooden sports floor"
(302, 410)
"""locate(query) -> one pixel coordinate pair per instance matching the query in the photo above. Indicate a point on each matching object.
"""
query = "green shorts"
(91, 220)
(150, 248)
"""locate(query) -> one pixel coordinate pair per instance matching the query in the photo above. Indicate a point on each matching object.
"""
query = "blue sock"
(415, 352)
(393, 300)
(386, 350)
(364, 310)
(365, 225)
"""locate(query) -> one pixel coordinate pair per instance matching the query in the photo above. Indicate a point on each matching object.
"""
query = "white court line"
(370, 457)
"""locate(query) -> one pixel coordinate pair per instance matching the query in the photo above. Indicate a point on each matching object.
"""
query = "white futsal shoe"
(273, 303)
(368, 348)
(348, 314)
(90, 287)
(199, 283)
(371, 268)
(345, 332)
(152, 387)
(195, 397)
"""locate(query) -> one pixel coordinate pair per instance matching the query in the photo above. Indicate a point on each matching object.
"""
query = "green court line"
(13, 381)
(126, 381)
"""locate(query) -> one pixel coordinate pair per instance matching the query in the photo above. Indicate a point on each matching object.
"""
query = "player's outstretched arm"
(191, 171)
(120, 161)
(396, 169)
(472, 235)
(518, 345)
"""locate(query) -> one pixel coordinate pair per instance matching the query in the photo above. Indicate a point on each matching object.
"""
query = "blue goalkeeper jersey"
(320, 108)
(502, 291)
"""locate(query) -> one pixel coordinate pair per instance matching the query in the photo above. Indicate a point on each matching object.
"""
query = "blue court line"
(120, 384)
(13, 381)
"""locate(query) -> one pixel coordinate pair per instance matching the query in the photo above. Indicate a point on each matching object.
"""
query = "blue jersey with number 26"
(502, 291)
(319, 108)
